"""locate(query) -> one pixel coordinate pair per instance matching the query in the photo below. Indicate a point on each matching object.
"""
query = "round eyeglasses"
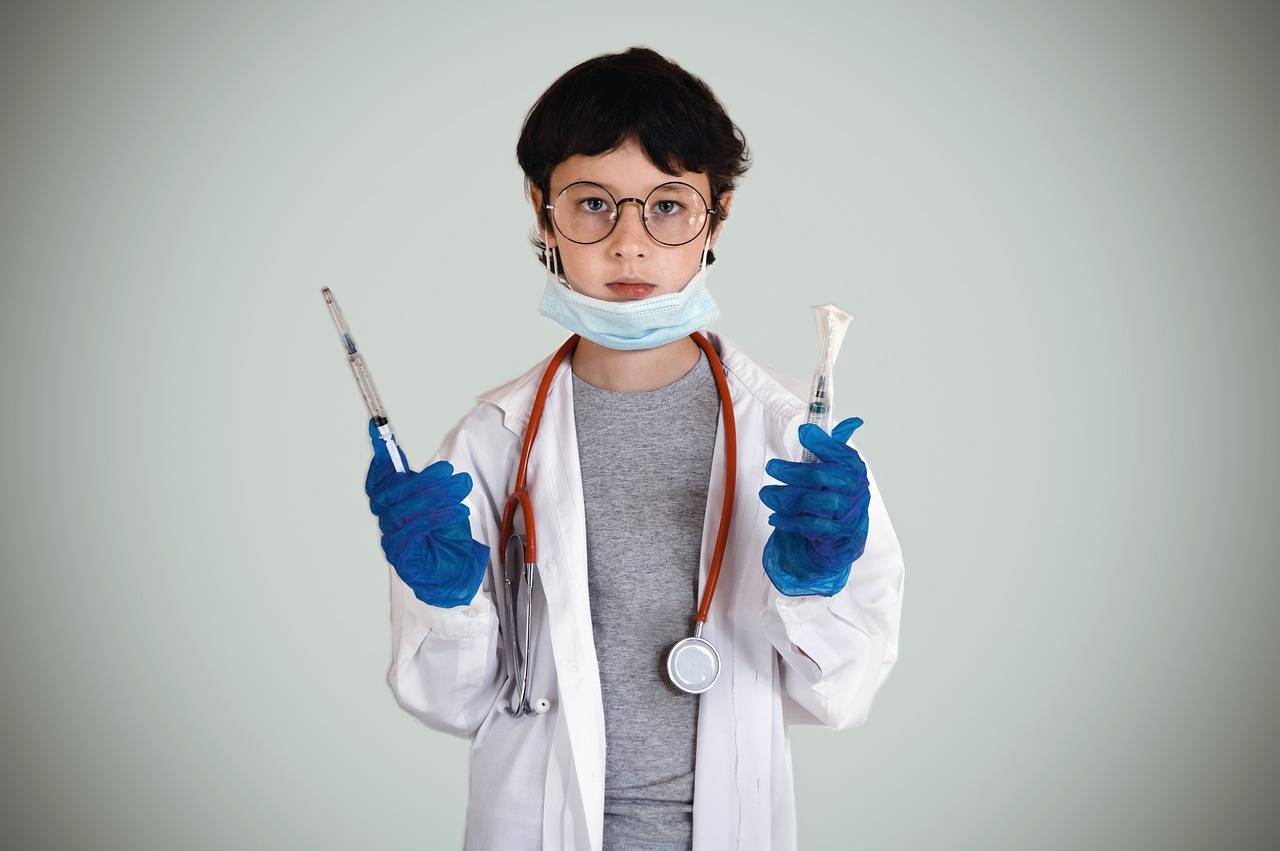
(673, 213)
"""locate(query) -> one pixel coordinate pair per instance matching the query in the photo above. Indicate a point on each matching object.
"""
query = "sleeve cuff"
(799, 615)
(473, 620)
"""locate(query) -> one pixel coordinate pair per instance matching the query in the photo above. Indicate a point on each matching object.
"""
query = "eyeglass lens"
(674, 213)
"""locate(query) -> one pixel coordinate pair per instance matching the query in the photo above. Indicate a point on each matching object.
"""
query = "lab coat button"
(541, 705)
(472, 611)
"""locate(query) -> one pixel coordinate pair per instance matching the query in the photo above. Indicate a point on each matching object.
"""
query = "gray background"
(1056, 226)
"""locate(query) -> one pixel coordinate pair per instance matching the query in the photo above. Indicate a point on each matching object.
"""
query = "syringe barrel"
(372, 401)
(820, 401)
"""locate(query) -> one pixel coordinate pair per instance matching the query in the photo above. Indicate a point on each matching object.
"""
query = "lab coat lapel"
(732, 799)
(715, 816)
(554, 480)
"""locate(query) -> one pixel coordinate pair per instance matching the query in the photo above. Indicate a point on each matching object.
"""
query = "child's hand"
(425, 531)
(820, 516)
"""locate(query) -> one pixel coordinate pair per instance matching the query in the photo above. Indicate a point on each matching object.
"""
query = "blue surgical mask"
(638, 324)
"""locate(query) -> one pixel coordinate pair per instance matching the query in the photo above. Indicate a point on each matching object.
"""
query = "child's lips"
(632, 291)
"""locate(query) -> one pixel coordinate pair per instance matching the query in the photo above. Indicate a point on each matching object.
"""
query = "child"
(639, 497)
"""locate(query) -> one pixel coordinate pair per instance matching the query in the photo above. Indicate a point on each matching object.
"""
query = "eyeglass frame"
(644, 220)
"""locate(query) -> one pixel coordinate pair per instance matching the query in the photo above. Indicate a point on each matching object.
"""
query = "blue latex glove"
(820, 516)
(425, 531)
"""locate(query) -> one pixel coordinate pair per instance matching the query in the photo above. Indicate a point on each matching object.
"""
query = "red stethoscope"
(693, 665)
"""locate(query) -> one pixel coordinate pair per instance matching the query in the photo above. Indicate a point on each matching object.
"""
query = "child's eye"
(667, 207)
(594, 205)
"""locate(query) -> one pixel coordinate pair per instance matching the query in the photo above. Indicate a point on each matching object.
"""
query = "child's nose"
(630, 234)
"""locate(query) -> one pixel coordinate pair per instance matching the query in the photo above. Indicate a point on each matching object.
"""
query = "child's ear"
(540, 217)
(535, 198)
(722, 213)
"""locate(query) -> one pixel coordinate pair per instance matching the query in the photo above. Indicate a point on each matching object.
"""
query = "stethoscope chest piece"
(693, 664)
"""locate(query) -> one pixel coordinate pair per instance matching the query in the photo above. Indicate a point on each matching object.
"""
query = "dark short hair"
(598, 104)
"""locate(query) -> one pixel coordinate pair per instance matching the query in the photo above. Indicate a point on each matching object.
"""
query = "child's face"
(628, 252)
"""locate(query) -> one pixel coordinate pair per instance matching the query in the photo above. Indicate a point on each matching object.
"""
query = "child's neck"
(634, 370)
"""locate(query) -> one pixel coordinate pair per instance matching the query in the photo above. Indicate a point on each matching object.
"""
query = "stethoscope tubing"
(520, 495)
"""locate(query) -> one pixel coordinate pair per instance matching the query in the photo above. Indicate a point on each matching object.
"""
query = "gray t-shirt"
(646, 465)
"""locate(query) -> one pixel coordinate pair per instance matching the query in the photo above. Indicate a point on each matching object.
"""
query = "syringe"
(832, 323)
(364, 381)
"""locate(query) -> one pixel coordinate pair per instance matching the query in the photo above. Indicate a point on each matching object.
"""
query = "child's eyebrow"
(613, 189)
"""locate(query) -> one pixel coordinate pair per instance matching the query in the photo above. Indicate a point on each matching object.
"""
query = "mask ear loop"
(549, 258)
(705, 247)
(703, 269)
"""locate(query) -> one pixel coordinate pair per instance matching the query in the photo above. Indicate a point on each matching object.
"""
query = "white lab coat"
(538, 781)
